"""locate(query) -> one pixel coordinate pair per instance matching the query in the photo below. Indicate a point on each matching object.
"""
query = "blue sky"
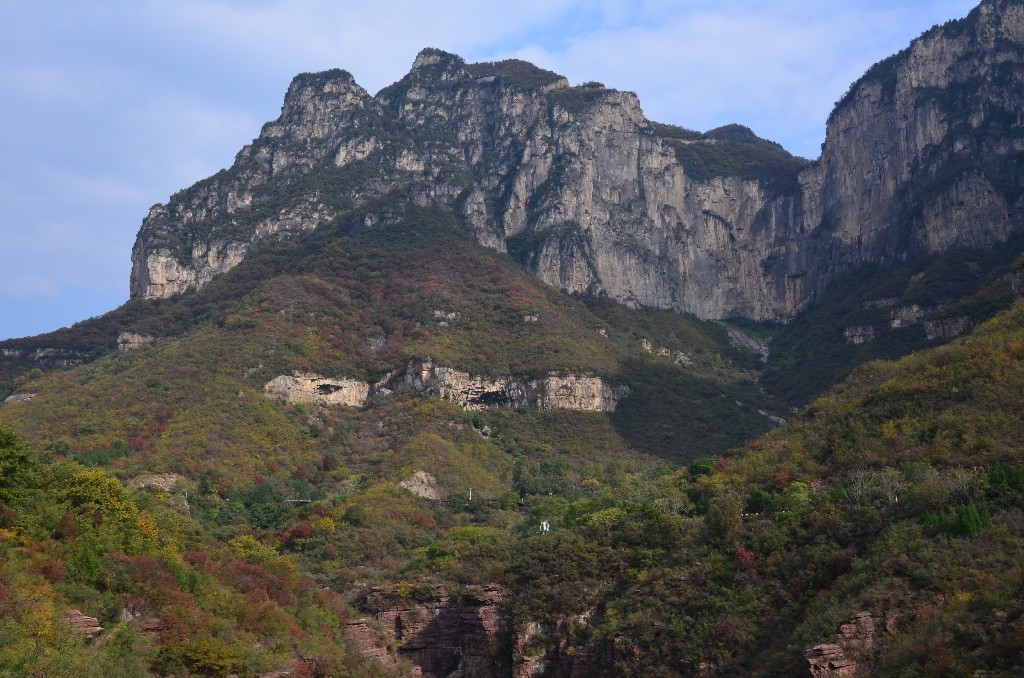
(110, 107)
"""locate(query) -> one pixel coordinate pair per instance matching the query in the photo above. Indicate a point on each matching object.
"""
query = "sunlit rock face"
(551, 392)
(922, 155)
(313, 388)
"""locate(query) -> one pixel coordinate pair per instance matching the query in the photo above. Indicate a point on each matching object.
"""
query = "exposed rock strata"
(842, 656)
(129, 341)
(859, 334)
(84, 625)
(164, 482)
(947, 328)
(921, 156)
(422, 484)
(441, 637)
(907, 316)
(551, 392)
(370, 641)
(22, 397)
(312, 388)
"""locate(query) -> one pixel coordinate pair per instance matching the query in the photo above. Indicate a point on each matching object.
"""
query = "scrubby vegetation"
(812, 353)
(899, 493)
(170, 599)
(734, 151)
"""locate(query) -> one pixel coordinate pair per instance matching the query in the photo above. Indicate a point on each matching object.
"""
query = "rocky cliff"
(550, 392)
(923, 154)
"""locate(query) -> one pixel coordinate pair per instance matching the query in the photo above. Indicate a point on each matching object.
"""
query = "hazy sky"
(112, 106)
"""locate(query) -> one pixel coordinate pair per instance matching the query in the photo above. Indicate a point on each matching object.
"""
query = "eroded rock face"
(84, 625)
(422, 484)
(947, 328)
(552, 392)
(921, 156)
(129, 341)
(843, 655)
(441, 637)
(907, 316)
(312, 388)
(164, 482)
(859, 334)
(23, 397)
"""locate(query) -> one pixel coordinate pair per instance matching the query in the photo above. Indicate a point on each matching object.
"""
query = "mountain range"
(489, 375)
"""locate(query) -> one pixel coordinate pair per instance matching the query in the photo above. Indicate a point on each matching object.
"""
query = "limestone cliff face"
(441, 637)
(925, 153)
(551, 392)
(312, 388)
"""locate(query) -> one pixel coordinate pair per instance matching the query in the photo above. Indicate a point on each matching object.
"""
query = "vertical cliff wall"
(923, 154)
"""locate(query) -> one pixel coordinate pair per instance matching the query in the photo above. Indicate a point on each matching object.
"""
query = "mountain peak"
(430, 56)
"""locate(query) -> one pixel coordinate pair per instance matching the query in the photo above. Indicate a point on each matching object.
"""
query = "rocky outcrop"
(164, 482)
(741, 339)
(312, 388)
(129, 341)
(22, 397)
(829, 661)
(551, 392)
(922, 155)
(422, 484)
(371, 641)
(46, 357)
(1017, 284)
(84, 625)
(843, 655)
(906, 316)
(859, 334)
(442, 637)
(947, 328)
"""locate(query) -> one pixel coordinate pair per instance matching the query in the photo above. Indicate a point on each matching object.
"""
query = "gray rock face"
(859, 334)
(18, 398)
(312, 388)
(551, 392)
(925, 153)
(129, 341)
(947, 328)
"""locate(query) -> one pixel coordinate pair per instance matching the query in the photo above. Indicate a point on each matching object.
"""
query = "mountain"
(922, 155)
(486, 375)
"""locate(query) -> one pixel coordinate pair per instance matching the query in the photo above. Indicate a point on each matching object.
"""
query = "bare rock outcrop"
(947, 328)
(922, 155)
(84, 625)
(551, 392)
(129, 341)
(313, 388)
(164, 482)
(422, 484)
(843, 654)
(859, 334)
(440, 636)
(907, 316)
(22, 397)
(371, 642)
